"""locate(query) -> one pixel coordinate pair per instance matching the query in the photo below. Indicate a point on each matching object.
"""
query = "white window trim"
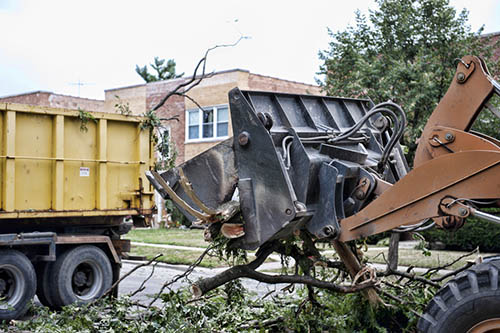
(200, 124)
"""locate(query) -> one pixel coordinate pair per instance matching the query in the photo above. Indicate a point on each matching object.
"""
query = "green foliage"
(176, 214)
(166, 149)
(164, 70)
(231, 309)
(122, 107)
(163, 144)
(404, 51)
(85, 117)
(475, 233)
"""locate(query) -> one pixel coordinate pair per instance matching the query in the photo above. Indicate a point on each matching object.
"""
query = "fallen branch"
(453, 273)
(129, 273)
(142, 286)
(438, 268)
(412, 277)
(261, 323)
(186, 273)
(203, 286)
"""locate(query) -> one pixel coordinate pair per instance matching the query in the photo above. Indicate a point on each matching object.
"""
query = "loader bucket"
(211, 174)
(298, 161)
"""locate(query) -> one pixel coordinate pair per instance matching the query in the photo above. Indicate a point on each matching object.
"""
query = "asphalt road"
(165, 273)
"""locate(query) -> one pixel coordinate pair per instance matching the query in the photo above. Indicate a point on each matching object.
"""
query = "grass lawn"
(181, 257)
(412, 257)
(175, 257)
(188, 237)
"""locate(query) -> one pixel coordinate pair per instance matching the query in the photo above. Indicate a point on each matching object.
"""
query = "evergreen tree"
(164, 70)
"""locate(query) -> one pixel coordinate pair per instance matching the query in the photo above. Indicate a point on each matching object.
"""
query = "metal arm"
(450, 162)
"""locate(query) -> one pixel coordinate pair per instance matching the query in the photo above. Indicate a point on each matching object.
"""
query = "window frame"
(216, 122)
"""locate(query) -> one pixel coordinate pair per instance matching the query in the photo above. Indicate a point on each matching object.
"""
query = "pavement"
(156, 276)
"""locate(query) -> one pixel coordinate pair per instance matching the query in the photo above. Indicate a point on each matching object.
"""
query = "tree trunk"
(392, 257)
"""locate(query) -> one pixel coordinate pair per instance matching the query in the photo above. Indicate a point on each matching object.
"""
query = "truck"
(333, 168)
(72, 182)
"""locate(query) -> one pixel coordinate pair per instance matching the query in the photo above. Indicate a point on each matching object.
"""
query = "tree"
(164, 71)
(405, 51)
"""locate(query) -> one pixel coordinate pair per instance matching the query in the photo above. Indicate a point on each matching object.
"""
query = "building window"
(207, 124)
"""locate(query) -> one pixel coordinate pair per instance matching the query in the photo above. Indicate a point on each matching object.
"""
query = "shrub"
(474, 233)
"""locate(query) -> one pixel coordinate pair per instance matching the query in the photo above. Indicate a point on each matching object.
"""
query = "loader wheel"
(80, 275)
(468, 303)
(17, 284)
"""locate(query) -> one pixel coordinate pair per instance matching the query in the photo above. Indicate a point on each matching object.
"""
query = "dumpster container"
(68, 179)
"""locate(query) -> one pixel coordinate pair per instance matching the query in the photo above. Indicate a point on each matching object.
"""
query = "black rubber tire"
(471, 298)
(62, 290)
(43, 270)
(18, 269)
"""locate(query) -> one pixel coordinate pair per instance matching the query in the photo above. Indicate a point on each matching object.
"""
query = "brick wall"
(134, 96)
(267, 83)
(175, 105)
(49, 99)
(211, 91)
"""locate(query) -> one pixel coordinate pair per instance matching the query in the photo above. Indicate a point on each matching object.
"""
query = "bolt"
(288, 211)
(462, 211)
(243, 138)
(329, 231)
(460, 77)
(380, 123)
(360, 194)
(449, 137)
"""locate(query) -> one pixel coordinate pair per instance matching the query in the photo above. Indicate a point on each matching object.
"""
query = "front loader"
(333, 167)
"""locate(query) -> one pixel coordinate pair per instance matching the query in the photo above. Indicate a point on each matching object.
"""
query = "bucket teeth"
(188, 188)
(207, 215)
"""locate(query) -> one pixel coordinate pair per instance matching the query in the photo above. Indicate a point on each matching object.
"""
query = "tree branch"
(195, 78)
(203, 286)
(130, 272)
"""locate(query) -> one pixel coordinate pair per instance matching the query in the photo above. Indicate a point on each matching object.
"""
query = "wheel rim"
(87, 280)
(12, 286)
(490, 326)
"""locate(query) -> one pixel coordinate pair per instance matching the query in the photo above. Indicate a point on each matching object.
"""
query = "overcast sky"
(51, 45)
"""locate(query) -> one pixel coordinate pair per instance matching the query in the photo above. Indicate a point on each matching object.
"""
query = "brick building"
(49, 99)
(198, 130)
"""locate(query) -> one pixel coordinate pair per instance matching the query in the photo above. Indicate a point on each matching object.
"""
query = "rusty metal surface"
(470, 174)
(89, 239)
(460, 105)
(490, 326)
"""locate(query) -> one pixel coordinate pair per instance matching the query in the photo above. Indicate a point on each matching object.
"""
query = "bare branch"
(186, 273)
(438, 268)
(141, 287)
(192, 100)
(412, 277)
(130, 272)
(453, 273)
(195, 79)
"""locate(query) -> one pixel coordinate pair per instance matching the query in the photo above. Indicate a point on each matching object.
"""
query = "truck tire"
(43, 270)
(81, 274)
(468, 303)
(17, 284)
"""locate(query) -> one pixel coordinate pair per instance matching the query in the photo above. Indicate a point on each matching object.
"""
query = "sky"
(53, 44)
